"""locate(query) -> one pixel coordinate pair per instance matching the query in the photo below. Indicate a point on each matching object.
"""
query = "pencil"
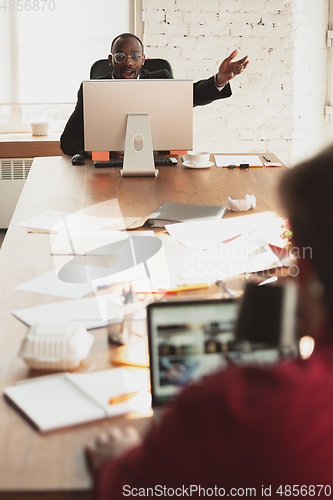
(184, 288)
(122, 398)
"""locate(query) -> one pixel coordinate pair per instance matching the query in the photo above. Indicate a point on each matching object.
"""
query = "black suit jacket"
(72, 138)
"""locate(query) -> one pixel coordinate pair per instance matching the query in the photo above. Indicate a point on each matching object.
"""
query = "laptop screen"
(186, 341)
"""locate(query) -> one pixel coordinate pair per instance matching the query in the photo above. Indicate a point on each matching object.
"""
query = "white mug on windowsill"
(39, 128)
(197, 158)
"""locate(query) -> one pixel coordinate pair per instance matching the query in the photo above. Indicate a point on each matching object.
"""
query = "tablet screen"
(187, 340)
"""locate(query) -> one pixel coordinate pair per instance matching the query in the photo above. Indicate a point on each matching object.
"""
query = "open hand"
(108, 446)
(229, 68)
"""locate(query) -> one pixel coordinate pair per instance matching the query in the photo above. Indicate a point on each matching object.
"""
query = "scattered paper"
(44, 221)
(94, 243)
(243, 254)
(242, 205)
(209, 234)
(49, 284)
(226, 160)
(84, 311)
(53, 221)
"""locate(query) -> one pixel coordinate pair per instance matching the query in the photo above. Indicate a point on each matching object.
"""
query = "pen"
(106, 285)
(269, 280)
(266, 158)
(122, 398)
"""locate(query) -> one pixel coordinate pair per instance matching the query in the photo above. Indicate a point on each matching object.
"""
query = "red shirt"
(240, 428)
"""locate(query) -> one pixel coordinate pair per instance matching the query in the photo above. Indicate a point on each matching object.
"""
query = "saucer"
(189, 165)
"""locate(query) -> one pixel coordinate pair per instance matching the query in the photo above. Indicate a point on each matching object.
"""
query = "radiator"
(13, 174)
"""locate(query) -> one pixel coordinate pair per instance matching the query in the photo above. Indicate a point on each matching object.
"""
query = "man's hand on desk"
(112, 445)
(229, 69)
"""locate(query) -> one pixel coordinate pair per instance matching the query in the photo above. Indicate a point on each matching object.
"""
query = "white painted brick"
(268, 30)
(149, 5)
(156, 29)
(208, 6)
(236, 18)
(278, 19)
(175, 29)
(273, 89)
(284, 40)
(201, 30)
(281, 144)
(200, 18)
(174, 17)
(214, 43)
(250, 44)
(280, 7)
(244, 30)
(280, 54)
(230, 6)
(186, 5)
(156, 16)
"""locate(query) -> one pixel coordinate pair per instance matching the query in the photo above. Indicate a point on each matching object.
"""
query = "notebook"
(186, 340)
(171, 212)
(66, 399)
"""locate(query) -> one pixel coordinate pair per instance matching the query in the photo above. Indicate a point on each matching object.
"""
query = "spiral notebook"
(66, 399)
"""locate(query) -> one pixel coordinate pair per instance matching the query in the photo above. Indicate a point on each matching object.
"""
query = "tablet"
(187, 340)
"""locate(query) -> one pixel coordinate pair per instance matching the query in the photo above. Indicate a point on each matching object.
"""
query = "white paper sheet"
(243, 254)
(209, 234)
(52, 220)
(49, 284)
(226, 160)
(81, 243)
(44, 220)
(84, 311)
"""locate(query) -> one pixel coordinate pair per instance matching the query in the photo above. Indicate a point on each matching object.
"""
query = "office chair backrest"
(102, 67)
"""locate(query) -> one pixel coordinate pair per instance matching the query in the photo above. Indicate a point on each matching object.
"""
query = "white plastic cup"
(39, 128)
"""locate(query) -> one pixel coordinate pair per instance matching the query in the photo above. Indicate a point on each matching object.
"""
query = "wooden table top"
(53, 464)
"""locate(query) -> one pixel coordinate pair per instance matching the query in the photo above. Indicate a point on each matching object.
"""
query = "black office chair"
(102, 67)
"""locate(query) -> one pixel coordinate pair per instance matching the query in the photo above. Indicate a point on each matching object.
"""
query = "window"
(46, 49)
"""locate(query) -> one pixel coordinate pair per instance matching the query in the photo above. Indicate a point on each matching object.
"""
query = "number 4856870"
(303, 490)
(27, 5)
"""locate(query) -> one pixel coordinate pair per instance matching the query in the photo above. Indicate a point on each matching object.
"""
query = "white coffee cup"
(197, 158)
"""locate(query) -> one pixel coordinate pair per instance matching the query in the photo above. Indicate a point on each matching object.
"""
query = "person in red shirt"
(248, 431)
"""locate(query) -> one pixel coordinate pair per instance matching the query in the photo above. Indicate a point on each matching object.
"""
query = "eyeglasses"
(120, 57)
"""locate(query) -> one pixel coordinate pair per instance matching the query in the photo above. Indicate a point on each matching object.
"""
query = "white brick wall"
(278, 102)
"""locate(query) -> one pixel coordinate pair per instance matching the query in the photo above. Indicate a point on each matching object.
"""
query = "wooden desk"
(54, 464)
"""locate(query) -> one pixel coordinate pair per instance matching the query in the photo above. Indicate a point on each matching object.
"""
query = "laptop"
(189, 339)
(186, 341)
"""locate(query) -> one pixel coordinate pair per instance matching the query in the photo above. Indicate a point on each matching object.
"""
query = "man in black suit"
(126, 59)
